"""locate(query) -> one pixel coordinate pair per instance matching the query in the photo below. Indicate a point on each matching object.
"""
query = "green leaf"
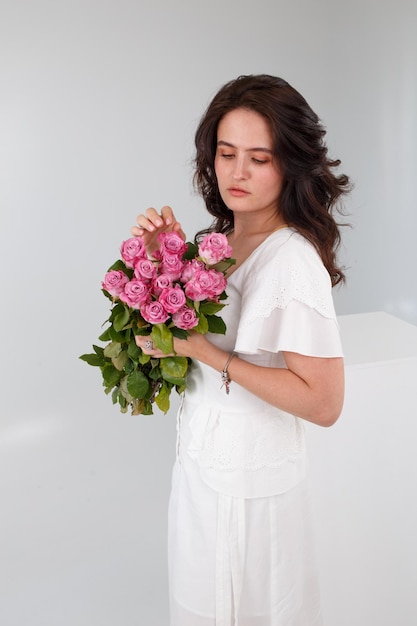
(191, 251)
(113, 349)
(106, 335)
(202, 326)
(116, 310)
(121, 319)
(92, 359)
(141, 407)
(178, 382)
(173, 369)
(216, 325)
(180, 333)
(147, 408)
(123, 390)
(130, 366)
(162, 338)
(155, 373)
(142, 331)
(133, 350)
(111, 376)
(128, 334)
(140, 325)
(115, 395)
(144, 358)
(137, 406)
(137, 384)
(123, 403)
(119, 265)
(222, 266)
(210, 308)
(162, 399)
(99, 351)
(116, 336)
(107, 294)
(120, 360)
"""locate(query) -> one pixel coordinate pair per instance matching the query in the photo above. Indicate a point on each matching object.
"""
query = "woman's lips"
(237, 192)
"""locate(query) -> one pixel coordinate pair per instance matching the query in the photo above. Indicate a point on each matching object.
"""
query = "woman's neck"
(246, 226)
(246, 237)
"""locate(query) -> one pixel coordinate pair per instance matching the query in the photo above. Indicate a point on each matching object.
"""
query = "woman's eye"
(227, 156)
(259, 161)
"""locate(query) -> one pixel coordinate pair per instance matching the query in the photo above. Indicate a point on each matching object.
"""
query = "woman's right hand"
(151, 224)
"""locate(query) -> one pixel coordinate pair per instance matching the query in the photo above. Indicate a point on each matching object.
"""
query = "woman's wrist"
(216, 357)
(226, 380)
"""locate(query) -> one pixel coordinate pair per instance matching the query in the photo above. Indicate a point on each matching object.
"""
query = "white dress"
(240, 544)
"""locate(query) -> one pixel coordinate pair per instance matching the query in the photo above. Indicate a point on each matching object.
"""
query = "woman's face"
(248, 176)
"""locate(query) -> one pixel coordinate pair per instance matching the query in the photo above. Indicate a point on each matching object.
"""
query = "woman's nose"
(240, 169)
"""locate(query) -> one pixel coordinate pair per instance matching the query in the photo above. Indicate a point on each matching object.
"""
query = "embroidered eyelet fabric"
(286, 301)
(278, 300)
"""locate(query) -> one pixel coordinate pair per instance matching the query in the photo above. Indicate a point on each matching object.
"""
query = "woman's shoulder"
(287, 267)
(284, 267)
(288, 247)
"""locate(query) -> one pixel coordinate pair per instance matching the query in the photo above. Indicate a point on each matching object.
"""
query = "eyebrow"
(230, 145)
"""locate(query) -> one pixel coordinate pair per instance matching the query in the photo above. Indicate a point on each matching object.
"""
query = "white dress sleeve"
(287, 302)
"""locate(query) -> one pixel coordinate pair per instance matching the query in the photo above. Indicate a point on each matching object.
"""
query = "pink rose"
(114, 282)
(163, 281)
(219, 283)
(154, 312)
(190, 268)
(185, 318)
(131, 250)
(145, 269)
(135, 293)
(172, 265)
(214, 248)
(172, 243)
(206, 284)
(172, 299)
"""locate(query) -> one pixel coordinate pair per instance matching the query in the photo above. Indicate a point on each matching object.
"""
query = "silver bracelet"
(225, 374)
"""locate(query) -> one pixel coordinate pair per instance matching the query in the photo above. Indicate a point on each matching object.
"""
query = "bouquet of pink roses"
(178, 289)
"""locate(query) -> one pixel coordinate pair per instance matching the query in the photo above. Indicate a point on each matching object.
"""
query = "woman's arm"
(311, 388)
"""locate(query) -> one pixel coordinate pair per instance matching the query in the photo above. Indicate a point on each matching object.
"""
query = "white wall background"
(99, 102)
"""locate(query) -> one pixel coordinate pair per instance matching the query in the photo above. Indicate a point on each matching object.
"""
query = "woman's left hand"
(193, 347)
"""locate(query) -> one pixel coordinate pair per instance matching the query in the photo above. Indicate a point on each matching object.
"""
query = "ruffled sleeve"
(286, 300)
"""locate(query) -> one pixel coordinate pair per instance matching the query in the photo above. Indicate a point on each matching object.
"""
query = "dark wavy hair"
(310, 190)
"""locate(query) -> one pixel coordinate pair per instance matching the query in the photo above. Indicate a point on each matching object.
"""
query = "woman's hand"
(194, 347)
(151, 224)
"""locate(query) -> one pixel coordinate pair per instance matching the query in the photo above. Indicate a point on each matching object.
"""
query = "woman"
(240, 545)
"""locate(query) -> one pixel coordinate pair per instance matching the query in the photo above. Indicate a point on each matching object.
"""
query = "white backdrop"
(99, 103)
